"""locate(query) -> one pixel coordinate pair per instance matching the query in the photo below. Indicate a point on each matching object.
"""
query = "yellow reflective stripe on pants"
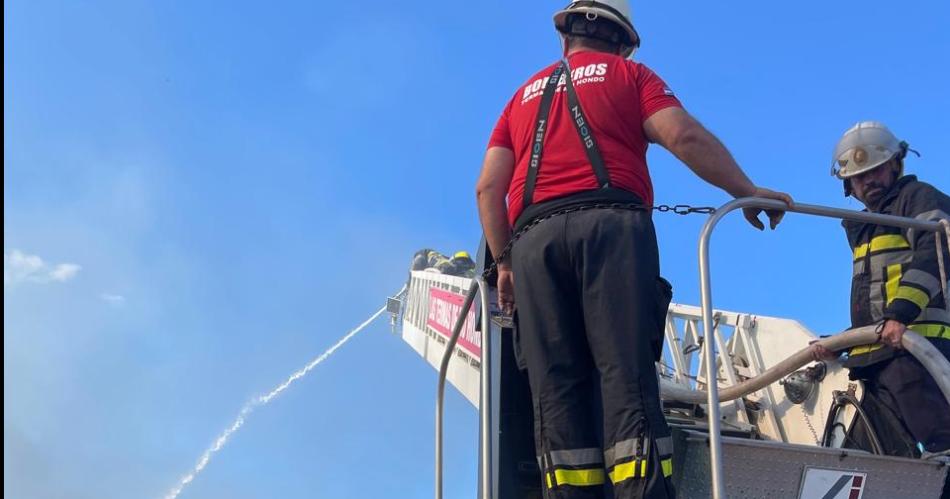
(630, 469)
(881, 243)
(577, 478)
(634, 469)
(931, 330)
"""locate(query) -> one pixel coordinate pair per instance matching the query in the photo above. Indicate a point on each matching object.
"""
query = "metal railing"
(484, 406)
(479, 287)
(715, 439)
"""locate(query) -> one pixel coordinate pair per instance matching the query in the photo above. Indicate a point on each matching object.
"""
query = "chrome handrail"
(484, 406)
(712, 386)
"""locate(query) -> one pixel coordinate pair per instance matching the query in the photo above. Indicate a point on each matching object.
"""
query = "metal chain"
(679, 209)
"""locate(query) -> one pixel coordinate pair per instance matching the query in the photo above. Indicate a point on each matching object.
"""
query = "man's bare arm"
(492, 187)
(491, 190)
(681, 134)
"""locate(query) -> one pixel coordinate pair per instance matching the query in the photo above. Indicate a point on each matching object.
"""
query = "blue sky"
(216, 192)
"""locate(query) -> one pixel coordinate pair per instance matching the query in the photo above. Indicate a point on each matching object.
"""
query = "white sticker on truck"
(820, 483)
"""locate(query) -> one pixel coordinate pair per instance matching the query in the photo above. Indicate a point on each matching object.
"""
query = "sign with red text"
(444, 310)
(433, 304)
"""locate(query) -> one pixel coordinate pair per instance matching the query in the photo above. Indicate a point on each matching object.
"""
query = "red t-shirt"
(617, 95)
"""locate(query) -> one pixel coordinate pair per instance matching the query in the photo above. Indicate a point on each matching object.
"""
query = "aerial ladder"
(767, 427)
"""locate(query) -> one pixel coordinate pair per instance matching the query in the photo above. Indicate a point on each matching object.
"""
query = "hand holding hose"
(893, 333)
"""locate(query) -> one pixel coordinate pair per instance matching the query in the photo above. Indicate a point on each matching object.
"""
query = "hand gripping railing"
(484, 405)
(715, 439)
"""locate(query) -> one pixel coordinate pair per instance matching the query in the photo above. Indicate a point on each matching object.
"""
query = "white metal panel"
(755, 343)
(426, 325)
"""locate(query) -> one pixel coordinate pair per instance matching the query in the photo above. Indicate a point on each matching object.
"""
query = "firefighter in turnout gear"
(897, 284)
(585, 278)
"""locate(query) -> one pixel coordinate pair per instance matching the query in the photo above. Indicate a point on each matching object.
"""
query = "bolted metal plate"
(757, 469)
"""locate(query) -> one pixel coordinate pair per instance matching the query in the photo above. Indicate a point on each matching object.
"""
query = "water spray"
(220, 442)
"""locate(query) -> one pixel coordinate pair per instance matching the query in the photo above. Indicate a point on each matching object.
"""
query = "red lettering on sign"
(444, 309)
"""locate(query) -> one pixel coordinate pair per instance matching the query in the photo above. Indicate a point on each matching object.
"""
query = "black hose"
(831, 425)
(841, 398)
(830, 421)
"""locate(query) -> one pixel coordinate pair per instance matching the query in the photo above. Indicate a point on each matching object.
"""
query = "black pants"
(585, 288)
(905, 406)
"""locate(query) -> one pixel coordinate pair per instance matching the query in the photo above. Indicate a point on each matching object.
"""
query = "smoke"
(220, 442)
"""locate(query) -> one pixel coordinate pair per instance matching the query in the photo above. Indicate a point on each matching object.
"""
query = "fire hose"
(931, 358)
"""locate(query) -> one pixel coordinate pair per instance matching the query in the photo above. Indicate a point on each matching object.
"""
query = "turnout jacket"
(896, 273)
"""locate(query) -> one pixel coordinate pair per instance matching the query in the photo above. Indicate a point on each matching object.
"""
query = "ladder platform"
(759, 468)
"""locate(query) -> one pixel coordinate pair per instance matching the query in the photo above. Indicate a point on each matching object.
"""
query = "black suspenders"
(580, 124)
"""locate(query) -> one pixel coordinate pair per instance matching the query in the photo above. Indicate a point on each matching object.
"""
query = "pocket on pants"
(663, 297)
(516, 343)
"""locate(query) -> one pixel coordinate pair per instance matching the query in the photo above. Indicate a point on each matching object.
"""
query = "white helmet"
(864, 147)
(616, 11)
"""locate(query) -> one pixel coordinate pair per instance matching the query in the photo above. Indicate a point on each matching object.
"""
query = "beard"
(874, 190)
(873, 194)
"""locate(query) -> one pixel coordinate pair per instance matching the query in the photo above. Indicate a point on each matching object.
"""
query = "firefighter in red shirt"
(585, 281)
